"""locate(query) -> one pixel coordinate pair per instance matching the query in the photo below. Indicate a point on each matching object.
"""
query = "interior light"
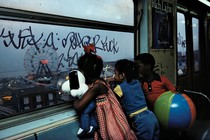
(205, 2)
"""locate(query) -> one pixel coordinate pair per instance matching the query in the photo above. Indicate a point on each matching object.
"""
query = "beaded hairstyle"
(128, 68)
(90, 63)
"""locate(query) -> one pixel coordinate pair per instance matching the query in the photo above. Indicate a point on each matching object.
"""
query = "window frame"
(180, 75)
(199, 47)
(35, 17)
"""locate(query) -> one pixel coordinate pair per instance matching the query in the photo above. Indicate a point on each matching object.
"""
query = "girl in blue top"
(133, 100)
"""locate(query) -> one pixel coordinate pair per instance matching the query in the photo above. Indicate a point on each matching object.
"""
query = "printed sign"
(162, 25)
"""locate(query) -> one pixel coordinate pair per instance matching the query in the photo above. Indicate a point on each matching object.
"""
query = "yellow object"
(137, 112)
(67, 77)
(118, 91)
(7, 98)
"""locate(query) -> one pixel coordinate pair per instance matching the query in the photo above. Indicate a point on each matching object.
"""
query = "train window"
(181, 44)
(112, 11)
(37, 53)
(196, 49)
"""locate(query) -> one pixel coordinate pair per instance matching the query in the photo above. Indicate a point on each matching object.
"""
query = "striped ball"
(175, 111)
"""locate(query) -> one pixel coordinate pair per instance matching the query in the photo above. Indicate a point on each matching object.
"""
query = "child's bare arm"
(90, 95)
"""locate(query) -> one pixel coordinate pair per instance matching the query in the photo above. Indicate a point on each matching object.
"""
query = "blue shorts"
(146, 125)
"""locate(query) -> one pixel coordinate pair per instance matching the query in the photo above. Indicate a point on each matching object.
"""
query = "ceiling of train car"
(206, 2)
(196, 4)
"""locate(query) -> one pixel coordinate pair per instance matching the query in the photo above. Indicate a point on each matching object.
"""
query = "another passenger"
(90, 65)
(153, 84)
(133, 101)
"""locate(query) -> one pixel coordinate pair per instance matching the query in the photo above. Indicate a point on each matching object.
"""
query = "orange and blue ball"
(175, 111)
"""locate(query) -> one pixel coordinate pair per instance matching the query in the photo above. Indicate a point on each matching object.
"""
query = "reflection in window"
(181, 45)
(196, 49)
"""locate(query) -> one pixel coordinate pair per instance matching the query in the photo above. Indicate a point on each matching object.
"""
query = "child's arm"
(179, 89)
(91, 94)
(168, 84)
(110, 79)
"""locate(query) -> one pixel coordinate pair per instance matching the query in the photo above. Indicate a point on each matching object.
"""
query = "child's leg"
(146, 125)
(85, 118)
(93, 124)
(85, 121)
(84, 125)
(93, 121)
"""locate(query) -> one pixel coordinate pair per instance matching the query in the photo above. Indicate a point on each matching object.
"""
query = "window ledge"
(29, 128)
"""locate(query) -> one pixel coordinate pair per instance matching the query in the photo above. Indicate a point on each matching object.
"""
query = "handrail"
(199, 93)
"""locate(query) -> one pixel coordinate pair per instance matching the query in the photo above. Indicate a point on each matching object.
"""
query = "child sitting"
(153, 84)
(133, 101)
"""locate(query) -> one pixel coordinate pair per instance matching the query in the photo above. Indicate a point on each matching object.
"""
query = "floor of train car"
(199, 131)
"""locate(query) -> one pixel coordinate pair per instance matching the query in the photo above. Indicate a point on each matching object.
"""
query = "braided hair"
(91, 65)
(128, 68)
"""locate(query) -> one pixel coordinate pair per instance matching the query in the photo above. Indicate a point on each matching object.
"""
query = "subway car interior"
(41, 42)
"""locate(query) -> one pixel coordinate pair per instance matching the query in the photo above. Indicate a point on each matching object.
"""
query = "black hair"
(91, 65)
(146, 59)
(128, 68)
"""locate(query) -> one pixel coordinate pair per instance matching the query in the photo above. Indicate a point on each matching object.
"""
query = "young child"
(90, 65)
(153, 85)
(133, 100)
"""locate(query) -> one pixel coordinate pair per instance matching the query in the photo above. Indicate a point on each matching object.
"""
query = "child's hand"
(179, 89)
(110, 79)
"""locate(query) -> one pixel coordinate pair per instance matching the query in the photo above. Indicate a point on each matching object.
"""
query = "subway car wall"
(40, 44)
(193, 53)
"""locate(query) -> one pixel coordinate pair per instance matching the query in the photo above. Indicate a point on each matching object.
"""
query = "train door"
(190, 72)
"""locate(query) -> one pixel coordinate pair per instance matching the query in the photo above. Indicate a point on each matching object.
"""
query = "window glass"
(181, 44)
(112, 11)
(196, 48)
(36, 58)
